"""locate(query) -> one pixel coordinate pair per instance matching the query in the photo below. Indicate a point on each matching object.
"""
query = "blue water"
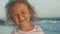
(49, 27)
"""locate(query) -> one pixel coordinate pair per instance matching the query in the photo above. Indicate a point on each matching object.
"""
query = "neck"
(26, 26)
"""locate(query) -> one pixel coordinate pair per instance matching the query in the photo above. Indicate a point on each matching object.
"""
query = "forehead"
(20, 6)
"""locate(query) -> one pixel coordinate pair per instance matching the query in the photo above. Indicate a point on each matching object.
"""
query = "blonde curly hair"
(12, 3)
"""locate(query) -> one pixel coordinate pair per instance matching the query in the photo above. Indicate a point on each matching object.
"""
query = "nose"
(20, 16)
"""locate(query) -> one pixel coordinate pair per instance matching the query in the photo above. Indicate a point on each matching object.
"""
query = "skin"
(21, 16)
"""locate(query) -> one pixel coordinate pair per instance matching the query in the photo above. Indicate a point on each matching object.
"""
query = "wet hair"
(12, 3)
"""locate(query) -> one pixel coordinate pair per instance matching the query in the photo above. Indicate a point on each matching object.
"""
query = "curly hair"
(12, 3)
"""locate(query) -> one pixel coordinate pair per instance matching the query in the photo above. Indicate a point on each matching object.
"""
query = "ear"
(30, 14)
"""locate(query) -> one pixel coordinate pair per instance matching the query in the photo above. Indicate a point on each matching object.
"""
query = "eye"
(23, 12)
(14, 15)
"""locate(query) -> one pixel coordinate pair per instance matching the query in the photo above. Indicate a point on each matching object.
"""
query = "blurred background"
(47, 11)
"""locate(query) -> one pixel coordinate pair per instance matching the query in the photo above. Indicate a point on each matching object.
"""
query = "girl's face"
(20, 14)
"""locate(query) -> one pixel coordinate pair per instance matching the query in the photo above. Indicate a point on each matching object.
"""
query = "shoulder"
(39, 29)
(15, 30)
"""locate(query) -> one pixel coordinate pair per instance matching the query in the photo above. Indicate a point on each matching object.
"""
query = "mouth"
(21, 20)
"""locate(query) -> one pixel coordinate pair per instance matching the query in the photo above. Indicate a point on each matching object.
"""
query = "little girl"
(21, 13)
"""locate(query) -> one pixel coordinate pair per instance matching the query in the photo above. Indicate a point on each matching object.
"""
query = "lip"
(21, 20)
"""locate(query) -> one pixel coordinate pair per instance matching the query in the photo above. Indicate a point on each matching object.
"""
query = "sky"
(43, 8)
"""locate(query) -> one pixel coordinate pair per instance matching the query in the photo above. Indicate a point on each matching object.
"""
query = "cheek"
(16, 21)
(27, 17)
